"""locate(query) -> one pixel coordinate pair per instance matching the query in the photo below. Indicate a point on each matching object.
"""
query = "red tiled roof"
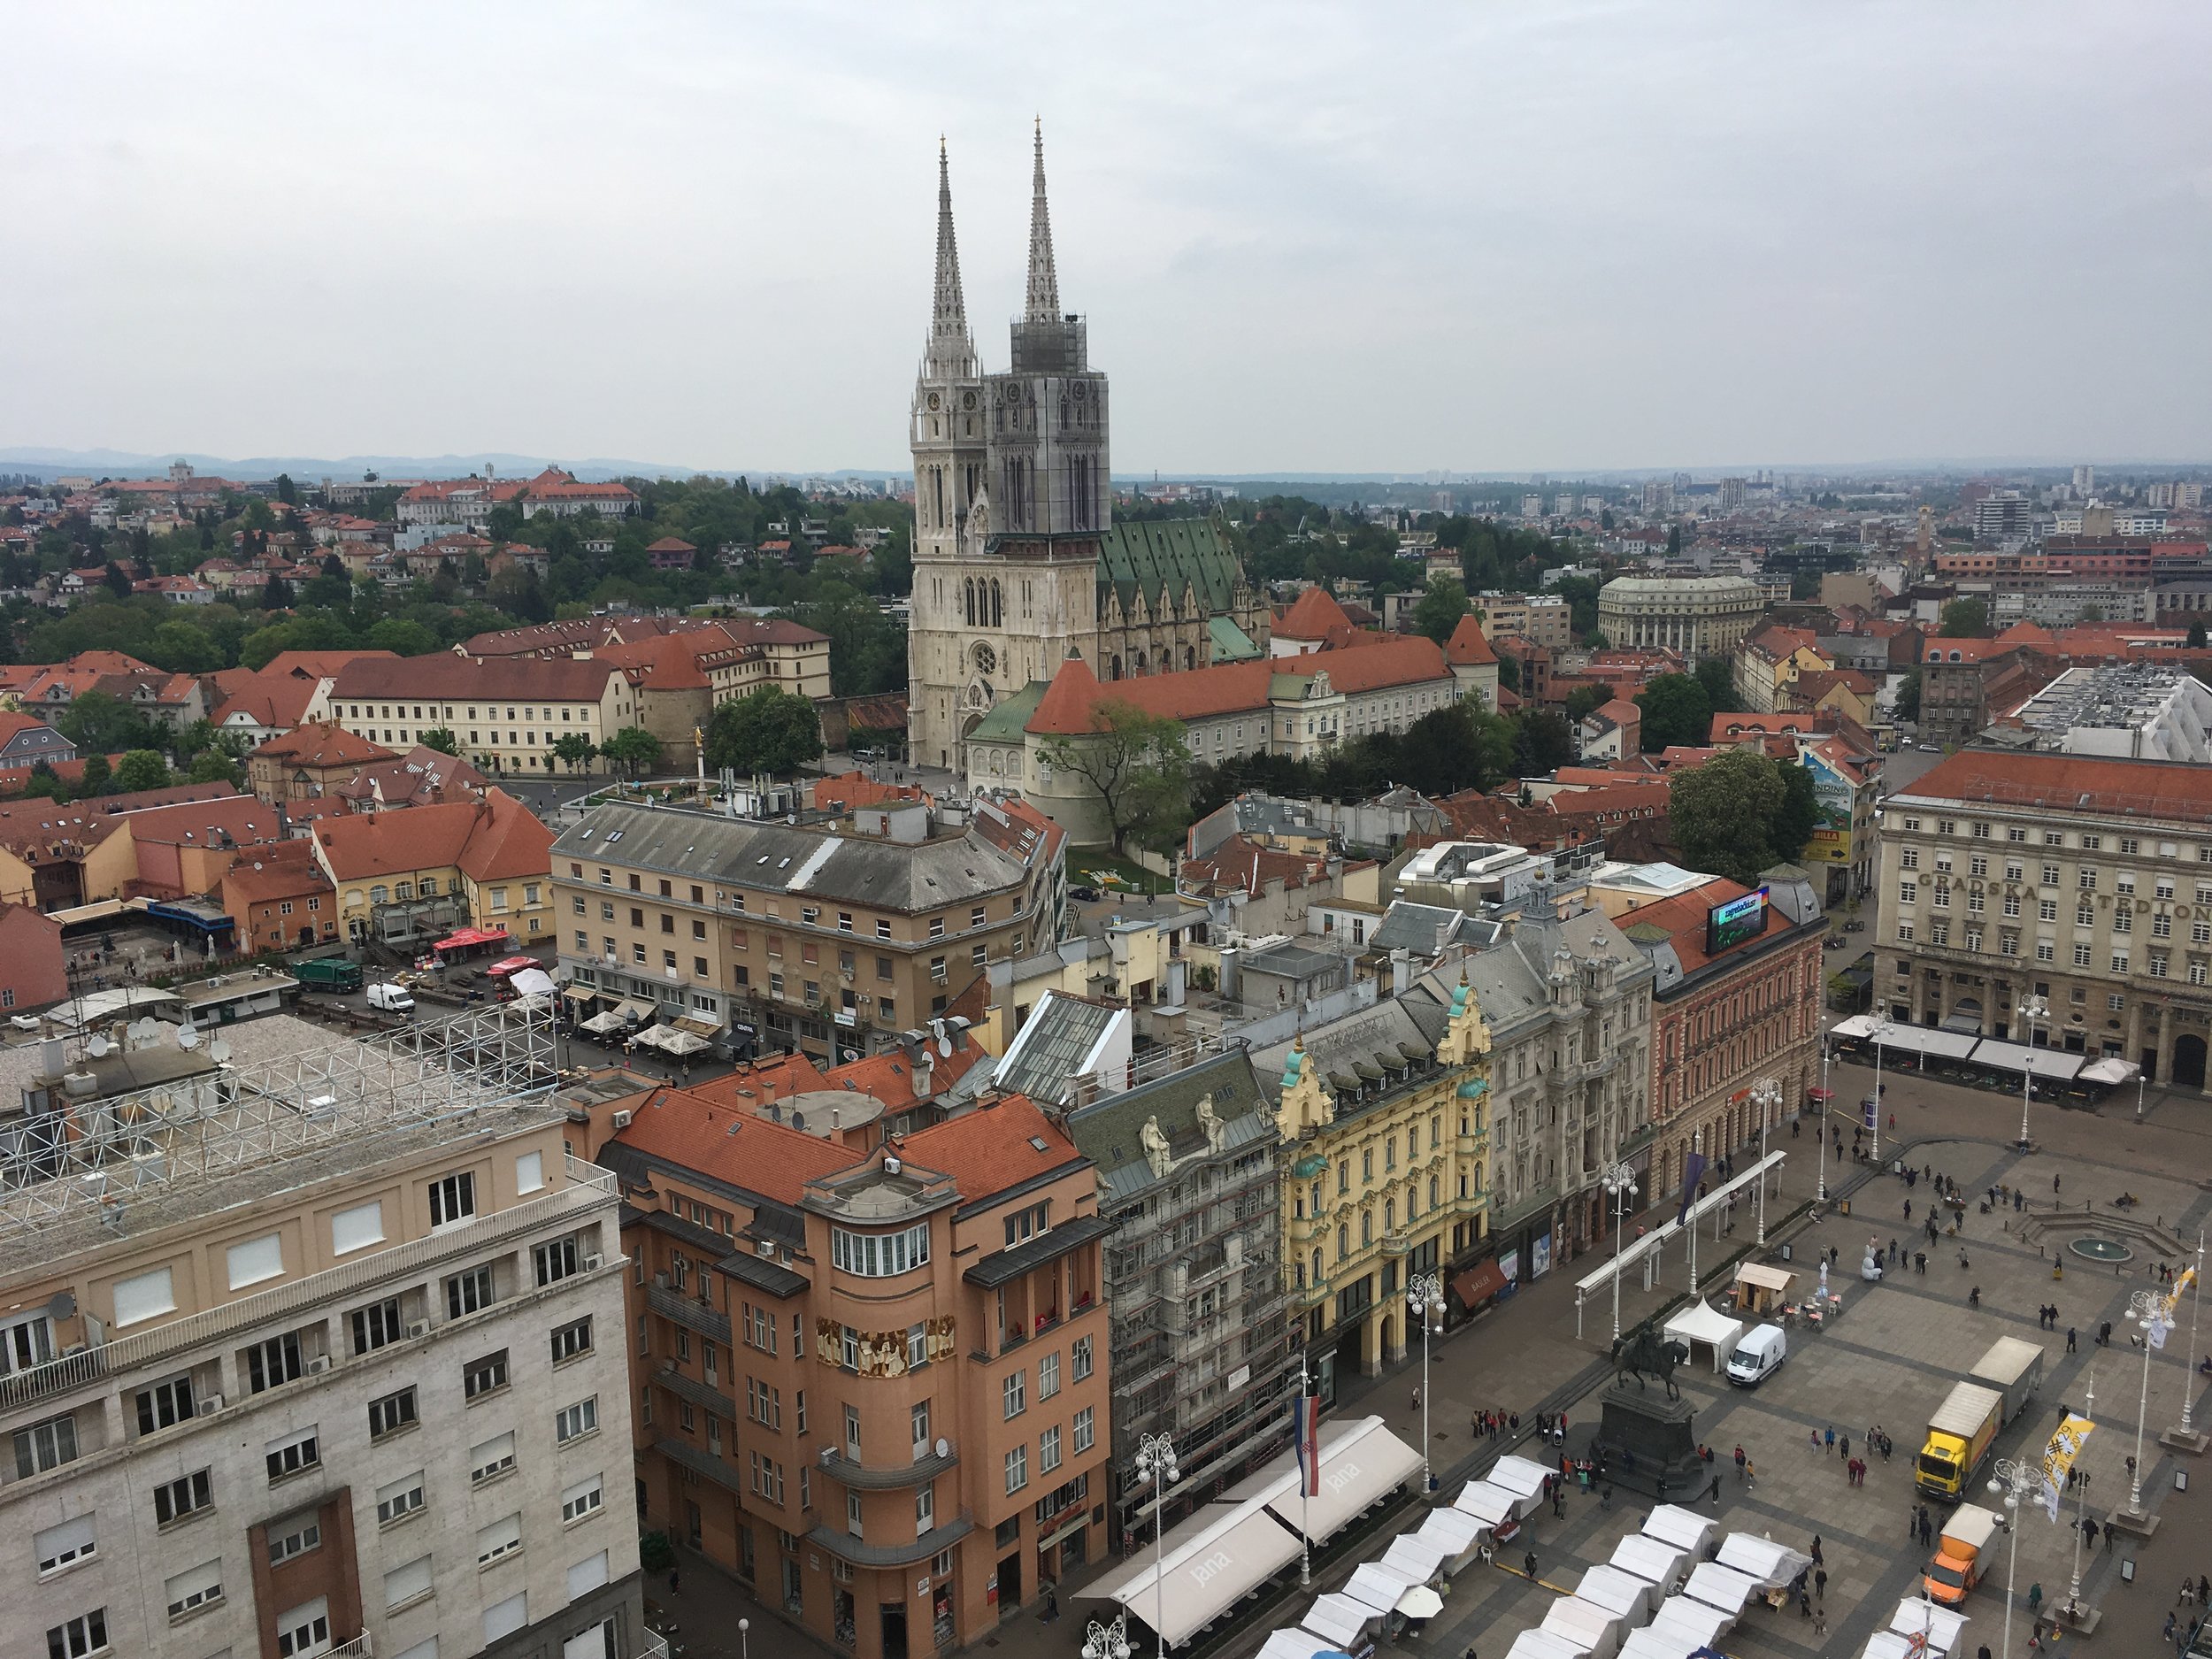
(988, 1150)
(731, 1144)
(490, 840)
(844, 790)
(278, 871)
(1684, 915)
(669, 544)
(1468, 644)
(202, 823)
(447, 678)
(890, 1077)
(1244, 865)
(2152, 788)
(1313, 615)
(324, 744)
(1070, 704)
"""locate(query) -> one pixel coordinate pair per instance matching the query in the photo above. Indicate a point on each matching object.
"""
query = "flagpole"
(1305, 1532)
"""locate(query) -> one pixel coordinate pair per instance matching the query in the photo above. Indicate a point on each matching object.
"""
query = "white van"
(1758, 1356)
(393, 999)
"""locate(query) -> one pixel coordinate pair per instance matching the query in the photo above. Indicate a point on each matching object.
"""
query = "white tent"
(1654, 1643)
(532, 982)
(1520, 1475)
(1413, 1558)
(1544, 1644)
(1886, 1644)
(1702, 1323)
(1456, 1533)
(1346, 1622)
(1361, 1462)
(1495, 1507)
(1719, 1586)
(1584, 1624)
(1653, 1559)
(1693, 1622)
(1633, 1599)
(1377, 1587)
(1942, 1625)
(1686, 1529)
(1776, 1566)
(1220, 1555)
(1293, 1644)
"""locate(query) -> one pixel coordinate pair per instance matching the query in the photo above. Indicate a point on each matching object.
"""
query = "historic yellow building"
(1388, 1107)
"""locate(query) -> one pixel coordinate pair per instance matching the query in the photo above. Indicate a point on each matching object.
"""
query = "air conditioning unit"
(622, 1119)
(660, 1281)
(419, 1327)
(828, 1455)
(592, 1263)
(317, 1366)
(210, 1404)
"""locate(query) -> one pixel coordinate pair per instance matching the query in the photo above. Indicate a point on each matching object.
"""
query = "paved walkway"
(1526, 1357)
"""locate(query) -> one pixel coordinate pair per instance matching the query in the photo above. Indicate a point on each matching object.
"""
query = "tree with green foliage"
(1439, 609)
(1723, 814)
(212, 766)
(1676, 710)
(1908, 703)
(2196, 634)
(402, 637)
(1798, 815)
(1542, 743)
(182, 648)
(1717, 675)
(1460, 746)
(634, 749)
(770, 730)
(276, 595)
(1585, 700)
(97, 723)
(143, 769)
(1509, 672)
(1965, 619)
(1674, 540)
(1136, 764)
(119, 580)
(99, 777)
(574, 750)
(440, 738)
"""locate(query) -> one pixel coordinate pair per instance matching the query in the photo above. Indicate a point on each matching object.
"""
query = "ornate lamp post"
(2081, 1511)
(2031, 1011)
(1697, 1147)
(1620, 1180)
(1825, 1096)
(1108, 1641)
(1880, 1025)
(1155, 1466)
(1424, 1302)
(1768, 1096)
(2147, 1309)
(2015, 1480)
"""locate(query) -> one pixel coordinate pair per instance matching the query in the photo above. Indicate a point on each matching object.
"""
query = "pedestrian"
(1892, 1252)
(1920, 1263)
(1815, 1433)
(2089, 1532)
(1820, 1583)
(2019, 1200)
(1528, 1563)
(1516, 1422)
(1974, 1297)
(1963, 1263)
(1909, 1209)
(1052, 1602)
(675, 1576)
(2204, 1591)
(2188, 1590)
(1818, 1559)
(1845, 1446)
(1829, 1438)
(2069, 1338)
(1751, 1475)
(1832, 1255)
(1713, 1491)
(1739, 1461)
(1605, 1498)
(2055, 1187)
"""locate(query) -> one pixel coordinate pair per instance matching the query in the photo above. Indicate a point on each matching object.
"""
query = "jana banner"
(2059, 1455)
(2164, 1321)
(1306, 1428)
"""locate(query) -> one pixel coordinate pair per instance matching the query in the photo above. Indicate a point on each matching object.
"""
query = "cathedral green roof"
(1004, 723)
(1231, 643)
(1157, 558)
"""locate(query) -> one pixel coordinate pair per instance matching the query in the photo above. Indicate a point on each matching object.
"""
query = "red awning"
(511, 965)
(462, 938)
(1820, 1094)
(1478, 1285)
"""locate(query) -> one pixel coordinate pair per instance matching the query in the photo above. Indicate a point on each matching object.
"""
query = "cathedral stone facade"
(1018, 563)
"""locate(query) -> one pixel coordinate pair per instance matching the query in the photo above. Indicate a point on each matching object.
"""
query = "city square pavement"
(1888, 1357)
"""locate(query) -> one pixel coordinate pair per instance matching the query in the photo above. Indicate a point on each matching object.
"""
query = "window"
(165, 1405)
(529, 1172)
(144, 1297)
(1048, 1450)
(1083, 1431)
(491, 1458)
(2119, 962)
(503, 1538)
(392, 1413)
(452, 1199)
(292, 1536)
(44, 1446)
(292, 1454)
(573, 1422)
(1048, 1377)
(879, 1255)
(1014, 1395)
(2162, 925)
(1079, 1357)
(2081, 956)
(57, 1547)
(480, 1376)
(572, 1339)
(2087, 879)
(1909, 858)
(399, 1500)
(468, 1292)
(1017, 1469)
(87, 1633)
(256, 1260)
(555, 1261)
(186, 1496)
(356, 1229)
(504, 1618)
(2047, 910)
(587, 1575)
(376, 1325)
(580, 1501)
(406, 1583)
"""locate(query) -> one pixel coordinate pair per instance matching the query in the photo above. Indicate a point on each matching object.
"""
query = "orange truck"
(1957, 1566)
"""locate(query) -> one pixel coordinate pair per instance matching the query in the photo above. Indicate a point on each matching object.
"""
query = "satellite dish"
(187, 1037)
(98, 1047)
(944, 1447)
(219, 1050)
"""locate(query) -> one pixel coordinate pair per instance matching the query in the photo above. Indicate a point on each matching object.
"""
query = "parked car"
(1089, 895)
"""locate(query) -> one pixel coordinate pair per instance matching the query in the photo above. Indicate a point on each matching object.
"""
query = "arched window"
(998, 604)
(1366, 1227)
(1317, 1267)
(1117, 674)
(1390, 1214)
(1432, 1192)
(1138, 667)
(1343, 1241)
(1190, 657)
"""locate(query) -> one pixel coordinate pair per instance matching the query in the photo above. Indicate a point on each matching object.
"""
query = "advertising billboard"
(1732, 923)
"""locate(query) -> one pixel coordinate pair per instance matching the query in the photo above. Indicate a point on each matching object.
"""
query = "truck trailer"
(1963, 1428)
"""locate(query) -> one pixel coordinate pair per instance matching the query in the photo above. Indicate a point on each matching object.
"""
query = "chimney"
(1400, 971)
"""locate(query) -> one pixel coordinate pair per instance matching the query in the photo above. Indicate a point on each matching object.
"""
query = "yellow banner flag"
(2058, 1457)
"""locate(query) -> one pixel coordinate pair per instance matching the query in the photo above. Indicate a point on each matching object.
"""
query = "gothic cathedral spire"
(1044, 285)
(951, 352)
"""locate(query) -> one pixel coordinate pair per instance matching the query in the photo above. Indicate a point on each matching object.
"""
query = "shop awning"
(1361, 1462)
(582, 996)
(2056, 1066)
(1222, 1554)
(2110, 1070)
(463, 938)
(633, 1011)
(1340, 1619)
(1924, 1039)
(1777, 1279)
(1478, 1284)
(698, 1027)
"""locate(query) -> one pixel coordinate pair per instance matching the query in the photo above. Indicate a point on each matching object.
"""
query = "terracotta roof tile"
(1468, 644)
(731, 1144)
(991, 1149)
(1311, 615)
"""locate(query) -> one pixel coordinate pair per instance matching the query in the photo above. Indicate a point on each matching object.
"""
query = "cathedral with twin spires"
(1018, 563)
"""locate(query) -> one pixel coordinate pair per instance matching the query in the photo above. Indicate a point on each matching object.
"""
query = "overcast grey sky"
(1311, 238)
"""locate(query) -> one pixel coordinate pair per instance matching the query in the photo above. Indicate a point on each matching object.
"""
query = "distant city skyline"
(1602, 238)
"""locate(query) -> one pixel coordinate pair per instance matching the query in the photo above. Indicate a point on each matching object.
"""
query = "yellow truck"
(1957, 1566)
(1963, 1428)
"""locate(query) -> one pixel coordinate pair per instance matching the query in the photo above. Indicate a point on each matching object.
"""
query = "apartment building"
(508, 714)
(1544, 619)
(829, 936)
(1385, 1117)
(404, 877)
(340, 1380)
(1190, 1173)
(2085, 882)
(916, 1333)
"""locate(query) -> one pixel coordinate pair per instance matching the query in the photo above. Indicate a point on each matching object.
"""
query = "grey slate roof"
(1107, 1130)
(1426, 929)
(1376, 1037)
(817, 864)
(1042, 1061)
(1511, 981)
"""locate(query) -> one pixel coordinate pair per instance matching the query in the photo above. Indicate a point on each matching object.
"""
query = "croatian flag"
(1693, 1172)
(1306, 1425)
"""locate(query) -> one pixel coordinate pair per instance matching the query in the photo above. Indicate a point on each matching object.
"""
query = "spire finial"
(950, 354)
(1044, 285)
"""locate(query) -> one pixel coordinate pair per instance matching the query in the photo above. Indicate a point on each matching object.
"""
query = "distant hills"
(123, 463)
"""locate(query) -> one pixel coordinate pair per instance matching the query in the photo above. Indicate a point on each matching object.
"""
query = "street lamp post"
(2031, 1011)
(2196, 1295)
(1424, 1302)
(2145, 1308)
(1880, 1025)
(1620, 1180)
(1155, 1465)
(2081, 1510)
(1109, 1641)
(1689, 1207)
(2015, 1479)
(744, 1640)
(1822, 1124)
(1769, 1095)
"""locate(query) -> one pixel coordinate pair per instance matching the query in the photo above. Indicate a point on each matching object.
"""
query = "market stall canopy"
(1413, 1557)
(1341, 1620)
(1543, 1644)
(1361, 1464)
(1720, 1586)
(1220, 1555)
(1702, 1322)
(1684, 1529)
(1617, 1591)
(1687, 1620)
(1774, 1565)
(1378, 1586)
(1582, 1623)
(1942, 1625)
(1777, 1279)
(1653, 1559)
(532, 982)
(1519, 1475)
(1494, 1506)
(1293, 1644)
(1654, 1643)
(1454, 1531)
(2055, 1065)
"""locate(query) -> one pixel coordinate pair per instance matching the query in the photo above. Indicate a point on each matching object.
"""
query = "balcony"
(873, 1478)
(860, 1552)
(703, 1463)
(590, 1187)
(689, 1312)
(359, 1648)
(700, 1394)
